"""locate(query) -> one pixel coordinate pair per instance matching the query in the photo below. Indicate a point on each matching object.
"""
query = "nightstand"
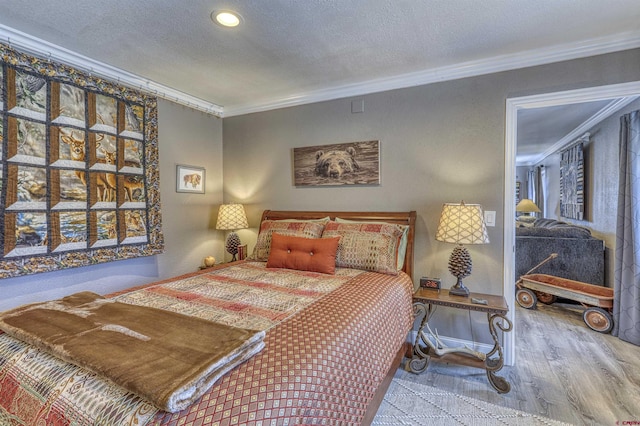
(426, 345)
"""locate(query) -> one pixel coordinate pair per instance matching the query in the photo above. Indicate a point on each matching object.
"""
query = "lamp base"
(233, 241)
(458, 289)
(460, 267)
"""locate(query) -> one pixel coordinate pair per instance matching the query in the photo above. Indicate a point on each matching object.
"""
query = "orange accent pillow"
(303, 254)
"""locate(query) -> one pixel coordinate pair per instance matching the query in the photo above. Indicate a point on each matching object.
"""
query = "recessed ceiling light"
(226, 18)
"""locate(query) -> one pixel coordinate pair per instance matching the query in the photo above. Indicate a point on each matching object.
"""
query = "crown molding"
(558, 53)
(626, 92)
(612, 107)
(592, 47)
(43, 49)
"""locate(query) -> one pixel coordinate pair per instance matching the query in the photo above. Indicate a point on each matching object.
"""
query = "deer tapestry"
(78, 168)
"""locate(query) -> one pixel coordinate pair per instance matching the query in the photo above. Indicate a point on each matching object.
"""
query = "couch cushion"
(554, 229)
(557, 232)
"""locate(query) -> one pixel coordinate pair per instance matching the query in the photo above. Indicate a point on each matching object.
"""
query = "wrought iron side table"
(424, 348)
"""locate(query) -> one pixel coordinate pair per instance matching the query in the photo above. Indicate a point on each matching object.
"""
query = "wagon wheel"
(546, 298)
(526, 298)
(598, 319)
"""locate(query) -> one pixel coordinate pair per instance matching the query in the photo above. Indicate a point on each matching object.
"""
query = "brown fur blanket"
(168, 358)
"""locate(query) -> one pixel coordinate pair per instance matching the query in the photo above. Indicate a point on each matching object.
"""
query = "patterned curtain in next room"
(626, 306)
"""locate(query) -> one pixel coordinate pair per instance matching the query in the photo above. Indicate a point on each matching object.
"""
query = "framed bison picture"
(351, 163)
(190, 179)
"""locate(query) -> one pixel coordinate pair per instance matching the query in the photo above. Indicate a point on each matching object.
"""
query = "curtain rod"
(583, 138)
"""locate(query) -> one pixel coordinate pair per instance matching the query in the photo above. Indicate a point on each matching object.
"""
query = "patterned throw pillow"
(402, 247)
(302, 229)
(366, 246)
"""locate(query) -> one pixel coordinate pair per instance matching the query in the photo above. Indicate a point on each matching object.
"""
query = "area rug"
(409, 403)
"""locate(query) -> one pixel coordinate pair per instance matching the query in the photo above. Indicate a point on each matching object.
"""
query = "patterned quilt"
(330, 340)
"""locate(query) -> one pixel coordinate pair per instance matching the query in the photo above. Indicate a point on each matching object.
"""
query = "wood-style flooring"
(563, 370)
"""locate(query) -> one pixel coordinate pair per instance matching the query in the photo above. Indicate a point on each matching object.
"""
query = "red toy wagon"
(597, 300)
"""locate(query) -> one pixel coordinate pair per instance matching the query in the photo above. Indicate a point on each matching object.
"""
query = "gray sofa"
(580, 255)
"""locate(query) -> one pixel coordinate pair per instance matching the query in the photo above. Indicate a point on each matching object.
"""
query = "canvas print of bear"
(351, 163)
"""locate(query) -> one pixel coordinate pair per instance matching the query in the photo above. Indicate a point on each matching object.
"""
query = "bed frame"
(401, 218)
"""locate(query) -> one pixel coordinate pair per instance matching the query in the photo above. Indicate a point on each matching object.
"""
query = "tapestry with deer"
(78, 168)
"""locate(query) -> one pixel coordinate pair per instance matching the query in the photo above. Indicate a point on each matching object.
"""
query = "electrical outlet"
(490, 218)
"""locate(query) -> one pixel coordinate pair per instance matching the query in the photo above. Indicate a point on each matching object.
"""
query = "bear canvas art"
(352, 163)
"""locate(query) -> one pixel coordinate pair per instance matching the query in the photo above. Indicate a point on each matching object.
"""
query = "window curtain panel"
(626, 305)
(535, 188)
(78, 168)
(541, 200)
(532, 184)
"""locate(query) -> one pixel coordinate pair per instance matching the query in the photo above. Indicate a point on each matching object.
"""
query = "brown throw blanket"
(168, 358)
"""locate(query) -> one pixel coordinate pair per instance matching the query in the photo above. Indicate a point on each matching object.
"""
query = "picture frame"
(190, 179)
(351, 163)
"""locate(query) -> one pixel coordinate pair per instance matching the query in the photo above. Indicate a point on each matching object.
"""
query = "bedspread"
(327, 348)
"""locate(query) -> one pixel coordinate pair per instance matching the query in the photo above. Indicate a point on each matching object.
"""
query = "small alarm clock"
(426, 282)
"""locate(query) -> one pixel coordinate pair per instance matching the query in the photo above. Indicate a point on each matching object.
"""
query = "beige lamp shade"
(462, 224)
(231, 216)
(527, 206)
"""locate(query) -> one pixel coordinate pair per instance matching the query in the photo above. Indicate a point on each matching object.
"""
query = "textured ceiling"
(296, 49)
(290, 47)
(540, 128)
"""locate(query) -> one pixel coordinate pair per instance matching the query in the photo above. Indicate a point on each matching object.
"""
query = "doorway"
(513, 105)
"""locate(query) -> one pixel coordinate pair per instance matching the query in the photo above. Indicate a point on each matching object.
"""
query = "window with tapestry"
(78, 168)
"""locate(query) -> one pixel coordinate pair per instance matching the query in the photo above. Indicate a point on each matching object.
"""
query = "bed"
(332, 342)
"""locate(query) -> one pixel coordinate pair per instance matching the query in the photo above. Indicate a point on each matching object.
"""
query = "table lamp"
(527, 206)
(230, 218)
(461, 224)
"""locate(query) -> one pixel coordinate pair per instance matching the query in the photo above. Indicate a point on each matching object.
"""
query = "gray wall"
(522, 177)
(185, 137)
(441, 142)
(601, 185)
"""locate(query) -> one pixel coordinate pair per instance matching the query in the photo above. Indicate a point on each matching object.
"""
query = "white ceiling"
(290, 52)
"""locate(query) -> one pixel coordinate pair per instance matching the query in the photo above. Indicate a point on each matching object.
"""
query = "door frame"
(513, 105)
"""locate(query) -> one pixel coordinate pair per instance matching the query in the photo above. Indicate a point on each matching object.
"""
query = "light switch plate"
(490, 218)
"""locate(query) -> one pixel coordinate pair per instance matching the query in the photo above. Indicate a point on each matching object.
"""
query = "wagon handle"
(551, 256)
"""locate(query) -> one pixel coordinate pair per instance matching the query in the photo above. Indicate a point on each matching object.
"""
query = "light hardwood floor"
(564, 371)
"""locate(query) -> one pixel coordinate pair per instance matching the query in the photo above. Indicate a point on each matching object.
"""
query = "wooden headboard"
(401, 218)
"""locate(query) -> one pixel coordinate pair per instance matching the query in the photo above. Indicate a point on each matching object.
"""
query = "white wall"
(185, 136)
(442, 142)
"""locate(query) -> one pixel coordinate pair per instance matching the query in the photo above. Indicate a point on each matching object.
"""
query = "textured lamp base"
(233, 241)
(460, 267)
(458, 289)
